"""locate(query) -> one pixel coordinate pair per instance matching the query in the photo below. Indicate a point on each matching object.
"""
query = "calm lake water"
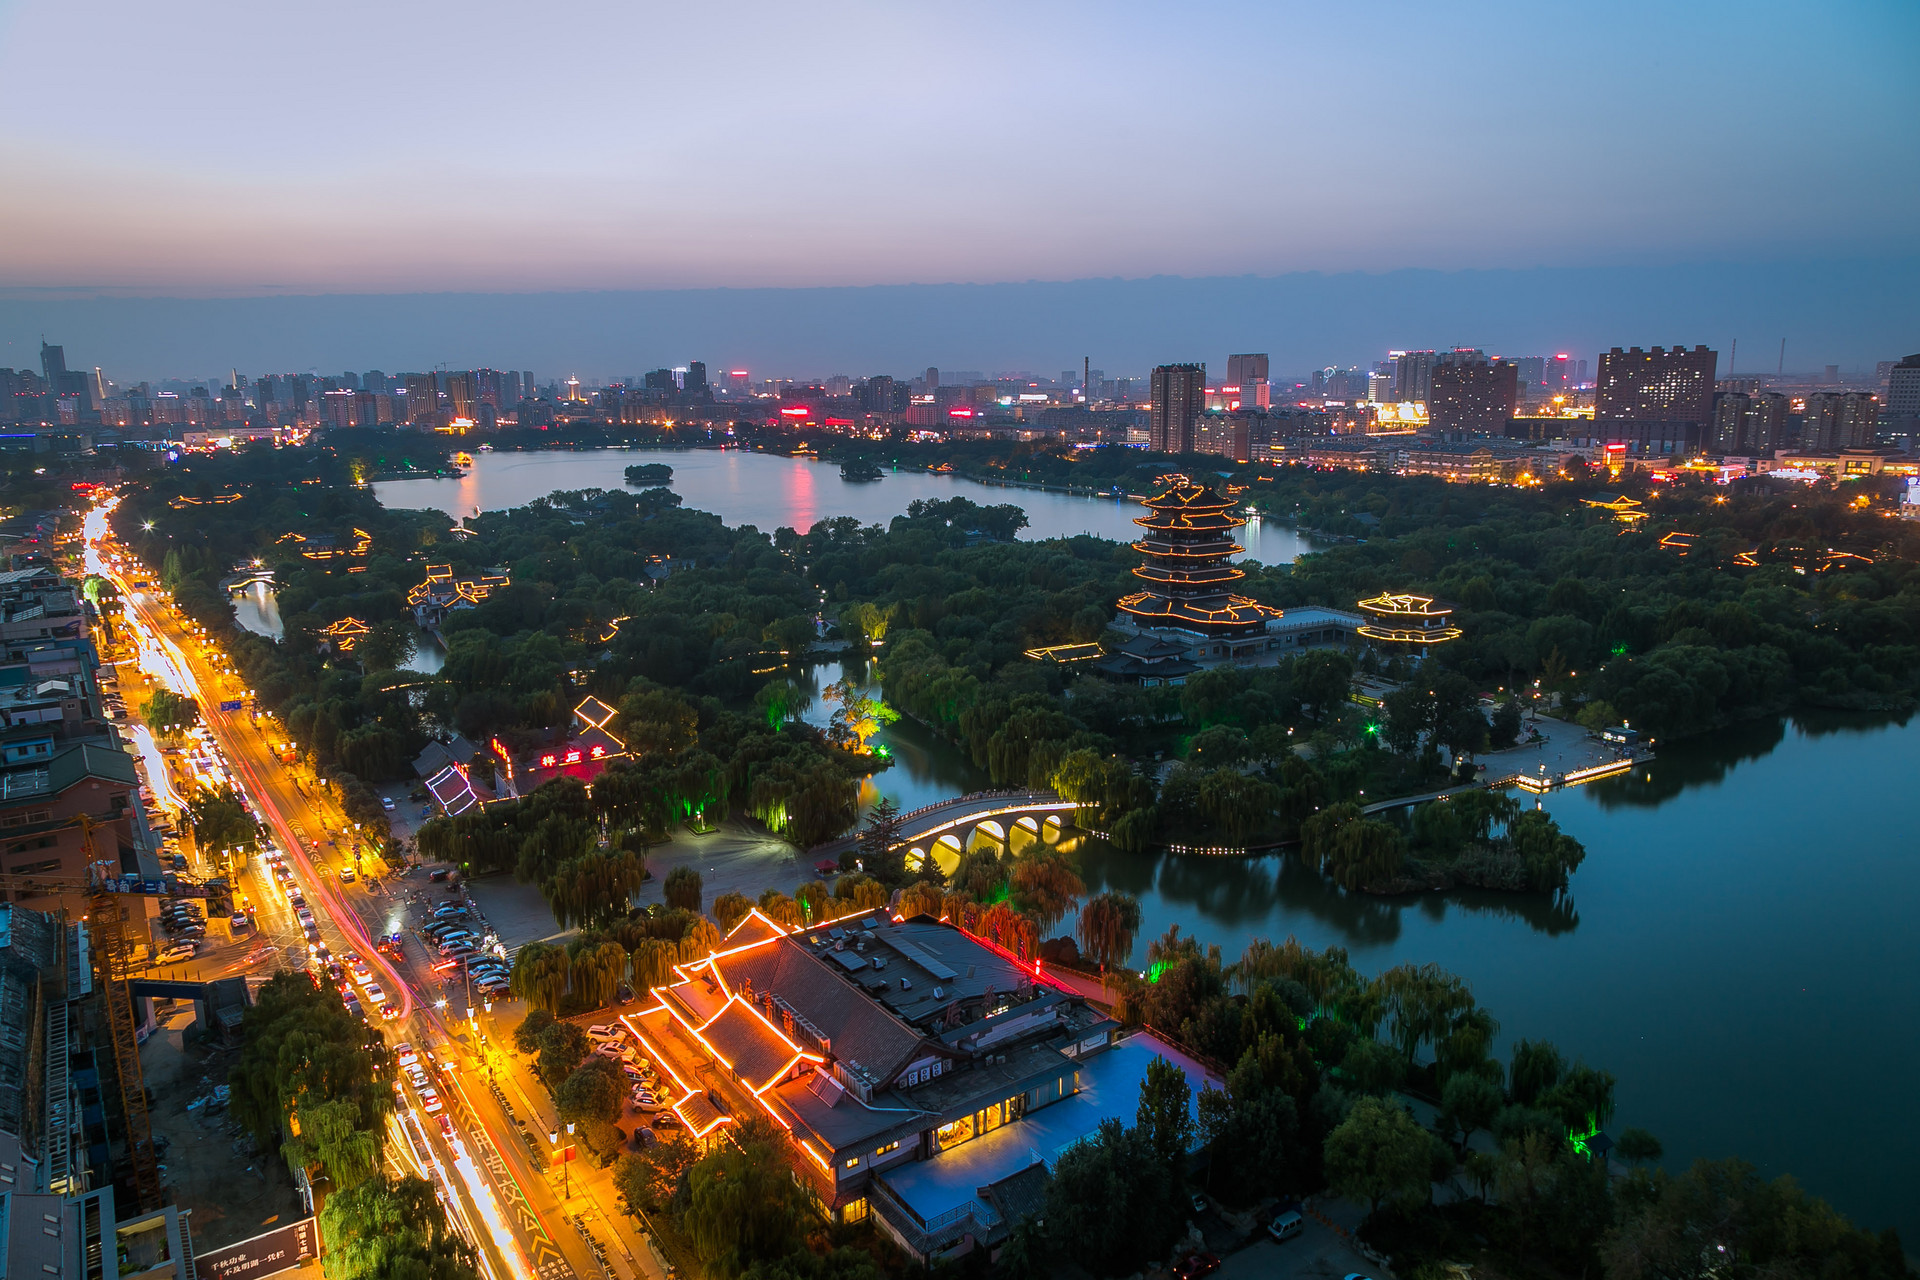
(1738, 949)
(769, 491)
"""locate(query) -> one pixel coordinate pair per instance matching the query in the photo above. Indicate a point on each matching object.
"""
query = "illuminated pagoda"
(1403, 618)
(1188, 538)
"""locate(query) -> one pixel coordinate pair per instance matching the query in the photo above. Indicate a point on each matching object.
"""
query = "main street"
(482, 1169)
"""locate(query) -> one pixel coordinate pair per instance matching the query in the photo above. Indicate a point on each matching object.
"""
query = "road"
(494, 1195)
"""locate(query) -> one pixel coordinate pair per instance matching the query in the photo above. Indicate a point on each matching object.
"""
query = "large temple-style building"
(1187, 615)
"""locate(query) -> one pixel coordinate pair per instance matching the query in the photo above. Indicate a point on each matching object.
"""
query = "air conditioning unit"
(906, 984)
(879, 962)
(938, 993)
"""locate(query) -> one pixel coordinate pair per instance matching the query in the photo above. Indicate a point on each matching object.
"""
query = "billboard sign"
(269, 1253)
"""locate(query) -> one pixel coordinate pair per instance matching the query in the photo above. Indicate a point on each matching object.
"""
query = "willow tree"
(594, 888)
(1046, 884)
(730, 908)
(1108, 925)
(540, 975)
(596, 970)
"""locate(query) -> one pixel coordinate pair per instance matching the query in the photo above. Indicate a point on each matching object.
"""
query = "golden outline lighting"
(1189, 536)
(1404, 618)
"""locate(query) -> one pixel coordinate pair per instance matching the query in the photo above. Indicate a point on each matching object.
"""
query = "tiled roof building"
(921, 1072)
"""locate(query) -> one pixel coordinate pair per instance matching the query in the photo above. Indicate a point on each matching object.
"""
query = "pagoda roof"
(1182, 494)
(1231, 611)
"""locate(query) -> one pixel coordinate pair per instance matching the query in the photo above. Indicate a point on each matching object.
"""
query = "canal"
(1738, 949)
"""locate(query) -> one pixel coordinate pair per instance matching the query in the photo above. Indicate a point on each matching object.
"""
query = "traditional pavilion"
(1404, 618)
(1188, 539)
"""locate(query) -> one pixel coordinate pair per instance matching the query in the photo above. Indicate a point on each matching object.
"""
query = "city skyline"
(1846, 313)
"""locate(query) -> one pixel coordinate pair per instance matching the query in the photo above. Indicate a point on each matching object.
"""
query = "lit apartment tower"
(487, 381)
(1179, 398)
(1533, 371)
(1840, 420)
(694, 385)
(423, 398)
(1471, 393)
(1903, 394)
(1188, 538)
(1412, 375)
(463, 395)
(1660, 385)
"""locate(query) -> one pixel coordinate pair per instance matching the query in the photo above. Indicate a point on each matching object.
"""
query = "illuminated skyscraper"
(1660, 385)
(1412, 375)
(1471, 393)
(1179, 397)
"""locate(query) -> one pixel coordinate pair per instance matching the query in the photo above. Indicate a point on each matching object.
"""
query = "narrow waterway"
(769, 491)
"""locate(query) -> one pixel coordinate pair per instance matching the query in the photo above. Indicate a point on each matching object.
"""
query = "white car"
(175, 954)
(373, 993)
(405, 1055)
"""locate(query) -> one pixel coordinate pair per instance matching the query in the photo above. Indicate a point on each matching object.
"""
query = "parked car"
(1195, 1265)
(1286, 1226)
(601, 1032)
(175, 953)
(386, 802)
(346, 875)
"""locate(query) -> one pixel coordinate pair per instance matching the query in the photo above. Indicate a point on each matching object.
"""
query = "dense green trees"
(168, 713)
(743, 1207)
(1379, 1153)
(312, 1080)
(1721, 1219)
(392, 1229)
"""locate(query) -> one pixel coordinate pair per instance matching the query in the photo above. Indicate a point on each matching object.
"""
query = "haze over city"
(415, 150)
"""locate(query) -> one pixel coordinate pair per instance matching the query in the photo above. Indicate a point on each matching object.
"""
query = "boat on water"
(463, 459)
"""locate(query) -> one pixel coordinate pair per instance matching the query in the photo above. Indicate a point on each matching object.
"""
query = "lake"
(769, 491)
(1738, 948)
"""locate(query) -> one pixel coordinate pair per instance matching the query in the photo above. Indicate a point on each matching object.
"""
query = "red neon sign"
(959, 413)
(573, 756)
(549, 760)
(598, 752)
(796, 411)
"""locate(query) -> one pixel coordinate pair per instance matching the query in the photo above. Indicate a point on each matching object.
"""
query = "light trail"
(156, 767)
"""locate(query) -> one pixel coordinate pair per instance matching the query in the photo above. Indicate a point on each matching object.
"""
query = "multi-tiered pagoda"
(1188, 538)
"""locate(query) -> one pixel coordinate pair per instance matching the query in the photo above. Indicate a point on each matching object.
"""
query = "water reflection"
(926, 767)
(258, 610)
(768, 491)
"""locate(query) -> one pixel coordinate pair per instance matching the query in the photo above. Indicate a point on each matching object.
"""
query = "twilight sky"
(210, 148)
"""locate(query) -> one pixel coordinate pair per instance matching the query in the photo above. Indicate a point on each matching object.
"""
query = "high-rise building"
(1749, 421)
(877, 394)
(423, 397)
(1660, 385)
(53, 362)
(1179, 397)
(463, 395)
(1903, 395)
(932, 378)
(1412, 375)
(1533, 370)
(1380, 388)
(1559, 375)
(1243, 369)
(695, 383)
(1839, 420)
(1471, 393)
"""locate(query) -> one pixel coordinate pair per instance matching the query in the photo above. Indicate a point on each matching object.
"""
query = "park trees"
(392, 1229)
(1353, 850)
(308, 1080)
(168, 713)
(1378, 1153)
(682, 888)
(590, 1098)
(1108, 924)
(743, 1207)
(857, 715)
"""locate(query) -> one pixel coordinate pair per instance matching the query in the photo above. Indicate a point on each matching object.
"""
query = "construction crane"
(112, 960)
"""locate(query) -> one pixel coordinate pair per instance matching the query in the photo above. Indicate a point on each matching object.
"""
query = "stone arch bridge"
(1004, 820)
